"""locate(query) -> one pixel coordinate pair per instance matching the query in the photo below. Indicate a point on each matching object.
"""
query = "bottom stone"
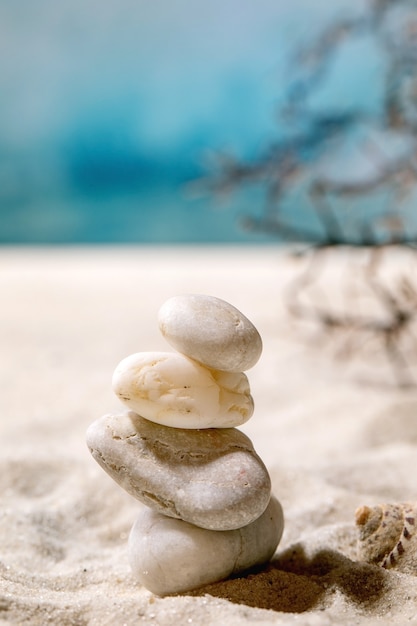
(170, 556)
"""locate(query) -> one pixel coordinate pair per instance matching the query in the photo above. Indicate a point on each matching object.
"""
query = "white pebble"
(211, 331)
(170, 556)
(169, 388)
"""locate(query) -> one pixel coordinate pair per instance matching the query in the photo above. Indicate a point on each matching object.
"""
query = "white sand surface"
(334, 434)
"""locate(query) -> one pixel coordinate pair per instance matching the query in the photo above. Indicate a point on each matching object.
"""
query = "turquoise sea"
(110, 112)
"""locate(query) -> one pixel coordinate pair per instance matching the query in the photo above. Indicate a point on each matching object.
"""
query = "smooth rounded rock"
(211, 331)
(169, 388)
(211, 478)
(170, 556)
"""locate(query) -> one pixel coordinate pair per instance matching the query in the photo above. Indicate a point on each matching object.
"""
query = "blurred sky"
(107, 108)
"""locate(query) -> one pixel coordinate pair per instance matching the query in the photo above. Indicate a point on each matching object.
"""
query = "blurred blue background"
(108, 110)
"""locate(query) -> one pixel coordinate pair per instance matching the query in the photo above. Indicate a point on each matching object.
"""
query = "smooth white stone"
(170, 556)
(211, 331)
(169, 388)
(211, 478)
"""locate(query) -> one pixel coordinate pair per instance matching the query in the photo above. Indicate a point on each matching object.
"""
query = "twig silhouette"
(291, 162)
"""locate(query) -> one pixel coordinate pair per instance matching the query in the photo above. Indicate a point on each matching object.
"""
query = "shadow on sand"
(293, 583)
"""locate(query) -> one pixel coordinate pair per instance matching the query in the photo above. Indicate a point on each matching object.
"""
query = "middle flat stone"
(211, 478)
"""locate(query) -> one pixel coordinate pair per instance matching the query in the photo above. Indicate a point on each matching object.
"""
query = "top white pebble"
(210, 331)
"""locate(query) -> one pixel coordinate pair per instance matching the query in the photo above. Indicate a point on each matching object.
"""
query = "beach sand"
(334, 432)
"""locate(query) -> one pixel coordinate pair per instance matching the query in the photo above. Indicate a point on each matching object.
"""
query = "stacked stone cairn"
(209, 510)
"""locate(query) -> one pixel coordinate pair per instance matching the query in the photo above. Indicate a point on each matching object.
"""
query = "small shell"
(387, 535)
